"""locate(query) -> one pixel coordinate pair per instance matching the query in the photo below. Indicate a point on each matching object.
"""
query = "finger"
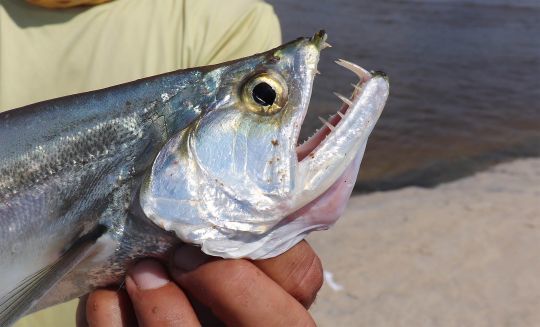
(236, 291)
(156, 300)
(298, 271)
(80, 315)
(109, 308)
(204, 314)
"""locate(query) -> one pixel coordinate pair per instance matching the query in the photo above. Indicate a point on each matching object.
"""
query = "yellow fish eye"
(265, 93)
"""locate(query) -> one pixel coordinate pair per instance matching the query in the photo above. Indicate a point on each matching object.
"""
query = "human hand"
(269, 292)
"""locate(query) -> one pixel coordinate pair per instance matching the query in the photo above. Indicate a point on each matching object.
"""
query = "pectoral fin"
(25, 295)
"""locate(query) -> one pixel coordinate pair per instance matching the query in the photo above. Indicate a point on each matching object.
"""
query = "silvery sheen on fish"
(89, 183)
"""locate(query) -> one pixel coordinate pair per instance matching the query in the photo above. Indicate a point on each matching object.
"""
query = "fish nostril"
(264, 94)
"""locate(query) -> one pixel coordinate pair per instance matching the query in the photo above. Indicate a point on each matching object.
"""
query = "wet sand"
(465, 253)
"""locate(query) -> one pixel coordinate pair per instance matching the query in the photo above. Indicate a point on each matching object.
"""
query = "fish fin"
(27, 293)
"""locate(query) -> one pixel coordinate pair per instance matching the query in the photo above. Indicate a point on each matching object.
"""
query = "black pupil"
(264, 94)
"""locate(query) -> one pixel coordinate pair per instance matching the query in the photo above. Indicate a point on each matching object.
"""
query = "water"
(464, 75)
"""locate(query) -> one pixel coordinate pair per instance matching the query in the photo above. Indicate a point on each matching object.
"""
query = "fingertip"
(80, 316)
(148, 274)
(156, 300)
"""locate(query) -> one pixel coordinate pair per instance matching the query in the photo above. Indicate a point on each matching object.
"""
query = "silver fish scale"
(74, 163)
(69, 181)
(68, 152)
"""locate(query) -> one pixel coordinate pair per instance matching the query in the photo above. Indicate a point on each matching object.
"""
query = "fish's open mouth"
(310, 144)
(329, 160)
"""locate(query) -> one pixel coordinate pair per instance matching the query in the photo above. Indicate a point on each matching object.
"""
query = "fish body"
(73, 164)
(89, 183)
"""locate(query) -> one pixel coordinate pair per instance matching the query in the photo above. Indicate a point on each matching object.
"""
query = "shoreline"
(447, 171)
(461, 253)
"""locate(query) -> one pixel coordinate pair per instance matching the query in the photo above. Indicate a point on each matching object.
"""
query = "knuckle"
(307, 279)
(240, 269)
(242, 275)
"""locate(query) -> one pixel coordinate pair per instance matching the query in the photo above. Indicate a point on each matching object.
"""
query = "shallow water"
(465, 81)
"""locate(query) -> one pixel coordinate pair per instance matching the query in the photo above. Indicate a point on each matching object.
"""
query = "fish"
(209, 156)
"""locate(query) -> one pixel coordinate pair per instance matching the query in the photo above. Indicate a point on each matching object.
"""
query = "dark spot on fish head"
(379, 73)
(274, 59)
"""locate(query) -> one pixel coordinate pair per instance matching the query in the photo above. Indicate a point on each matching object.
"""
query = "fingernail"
(188, 258)
(149, 275)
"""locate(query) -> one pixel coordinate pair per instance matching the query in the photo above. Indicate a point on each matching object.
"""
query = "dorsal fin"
(26, 294)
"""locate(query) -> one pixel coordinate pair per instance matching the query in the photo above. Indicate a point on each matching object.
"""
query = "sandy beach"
(466, 253)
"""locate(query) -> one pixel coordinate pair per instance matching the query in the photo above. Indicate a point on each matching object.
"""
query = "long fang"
(343, 98)
(356, 86)
(330, 126)
(361, 72)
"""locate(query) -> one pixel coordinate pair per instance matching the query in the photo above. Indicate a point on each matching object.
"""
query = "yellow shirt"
(46, 54)
(50, 53)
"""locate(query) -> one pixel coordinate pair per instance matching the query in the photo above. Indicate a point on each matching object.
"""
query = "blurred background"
(463, 120)
(464, 77)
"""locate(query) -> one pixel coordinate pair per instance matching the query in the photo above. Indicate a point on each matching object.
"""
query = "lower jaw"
(328, 207)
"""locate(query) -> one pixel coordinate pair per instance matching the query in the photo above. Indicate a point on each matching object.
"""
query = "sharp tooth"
(361, 72)
(356, 86)
(357, 89)
(326, 123)
(341, 114)
(325, 45)
(317, 72)
(343, 98)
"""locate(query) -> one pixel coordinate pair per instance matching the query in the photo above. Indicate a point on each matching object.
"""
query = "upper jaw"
(324, 157)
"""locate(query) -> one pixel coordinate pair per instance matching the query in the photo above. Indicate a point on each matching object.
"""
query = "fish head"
(235, 181)
(245, 141)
